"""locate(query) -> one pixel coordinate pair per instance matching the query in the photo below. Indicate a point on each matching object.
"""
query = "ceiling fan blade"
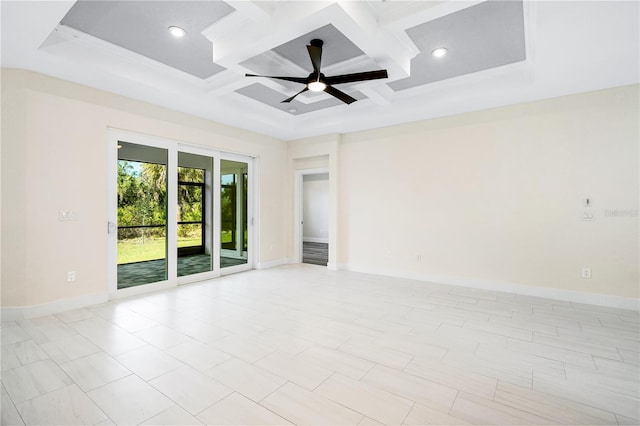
(315, 54)
(339, 94)
(359, 76)
(291, 98)
(302, 80)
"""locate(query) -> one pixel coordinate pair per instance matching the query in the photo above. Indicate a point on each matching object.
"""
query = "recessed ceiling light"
(177, 32)
(292, 110)
(439, 52)
(316, 86)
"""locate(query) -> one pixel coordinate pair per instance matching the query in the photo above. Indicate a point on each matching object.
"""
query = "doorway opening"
(313, 208)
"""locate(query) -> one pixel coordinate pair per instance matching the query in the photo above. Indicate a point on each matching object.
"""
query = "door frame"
(251, 225)
(173, 146)
(299, 208)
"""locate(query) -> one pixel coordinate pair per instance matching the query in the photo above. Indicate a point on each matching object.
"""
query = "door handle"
(111, 227)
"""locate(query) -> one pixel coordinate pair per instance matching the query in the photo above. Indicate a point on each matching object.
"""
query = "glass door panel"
(233, 213)
(142, 215)
(194, 210)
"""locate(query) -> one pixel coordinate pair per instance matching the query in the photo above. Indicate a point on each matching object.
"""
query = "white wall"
(54, 146)
(495, 197)
(316, 208)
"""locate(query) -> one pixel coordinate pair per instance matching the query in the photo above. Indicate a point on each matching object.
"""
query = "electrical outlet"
(586, 273)
(71, 276)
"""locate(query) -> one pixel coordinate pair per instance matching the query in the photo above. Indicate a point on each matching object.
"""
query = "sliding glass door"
(195, 214)
(234, 189)
(142, 215)
(177, 213)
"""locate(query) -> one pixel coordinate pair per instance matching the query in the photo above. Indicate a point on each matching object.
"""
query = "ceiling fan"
(318, 82)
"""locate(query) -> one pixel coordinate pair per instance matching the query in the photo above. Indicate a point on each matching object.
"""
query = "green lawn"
(132, 250)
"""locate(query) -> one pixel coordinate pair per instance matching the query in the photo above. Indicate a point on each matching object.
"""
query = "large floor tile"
(478, 410)
(94, 370)
(70, 348)
(371, 401)
(425, 392)
(11, 333)
(302, 407)
(133, 322)
(65, 406)
(587, 392)
(190, 389)
(296, 370)
(235, 409)
(282, 341)
(162, 337)
(130, 400)
(175, 415)
(552, 352)
(560, 410)
(94, 326)
(148, 362)
(452, 377)
(117, 341)
(340, 362)
(46, 329)
(8, 413)
(33, 380)
(199, 330)
(198, 355)
(246, 379)
(245, 349)
(379, 354)
(21, 353)
(421, 415)
(75, 315)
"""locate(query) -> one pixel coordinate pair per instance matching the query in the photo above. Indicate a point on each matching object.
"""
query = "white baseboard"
(506, 287)
(33, 311)
(315, 240)
(274, 263)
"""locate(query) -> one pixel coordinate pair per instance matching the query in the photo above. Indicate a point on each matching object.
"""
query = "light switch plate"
(68, 215)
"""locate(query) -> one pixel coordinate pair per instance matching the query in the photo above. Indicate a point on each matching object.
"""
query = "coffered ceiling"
(498, 53)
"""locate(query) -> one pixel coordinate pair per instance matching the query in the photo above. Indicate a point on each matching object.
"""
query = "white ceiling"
(569, 47)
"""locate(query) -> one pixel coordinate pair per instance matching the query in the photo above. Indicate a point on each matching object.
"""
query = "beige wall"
(54, 136)
(497, 195)
(494, 195)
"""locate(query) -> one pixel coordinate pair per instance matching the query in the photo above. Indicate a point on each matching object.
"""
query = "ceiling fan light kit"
(318, 82)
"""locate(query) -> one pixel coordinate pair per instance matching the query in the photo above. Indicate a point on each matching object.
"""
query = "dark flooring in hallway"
(315, 253)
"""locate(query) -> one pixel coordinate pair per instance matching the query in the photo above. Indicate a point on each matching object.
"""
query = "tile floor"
(304, 345)
(151, 271)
